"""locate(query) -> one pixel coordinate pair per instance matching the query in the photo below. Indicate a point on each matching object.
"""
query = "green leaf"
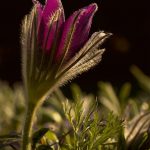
(76, 92)
(125, 91)
(38, 135)
(51, 136)
(108, 98)
(143, 79)
(122, 145)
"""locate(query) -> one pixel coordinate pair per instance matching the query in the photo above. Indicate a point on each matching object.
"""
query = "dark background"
(128, 20)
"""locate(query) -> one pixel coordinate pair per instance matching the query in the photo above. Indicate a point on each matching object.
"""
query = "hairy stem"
(29, 120)
(33, 105)
(27, 131)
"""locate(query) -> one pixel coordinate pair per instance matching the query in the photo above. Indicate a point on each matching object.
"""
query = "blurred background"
(129, 21)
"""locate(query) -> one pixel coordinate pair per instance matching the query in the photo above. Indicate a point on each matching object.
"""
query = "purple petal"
(51, 6)
(53, 31)
(39, 9)
(52, 13)
(76, 31)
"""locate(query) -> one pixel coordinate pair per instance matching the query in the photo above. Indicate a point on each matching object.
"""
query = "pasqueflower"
(55, 50)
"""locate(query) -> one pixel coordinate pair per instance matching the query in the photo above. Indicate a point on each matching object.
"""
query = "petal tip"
(35, 2)
(93, 7)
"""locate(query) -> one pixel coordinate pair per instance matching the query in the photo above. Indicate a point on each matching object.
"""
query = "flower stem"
(27, 131)
(31, 111)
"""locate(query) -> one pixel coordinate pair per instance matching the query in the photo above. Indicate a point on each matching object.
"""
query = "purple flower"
(56, 50)
(65, 37)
